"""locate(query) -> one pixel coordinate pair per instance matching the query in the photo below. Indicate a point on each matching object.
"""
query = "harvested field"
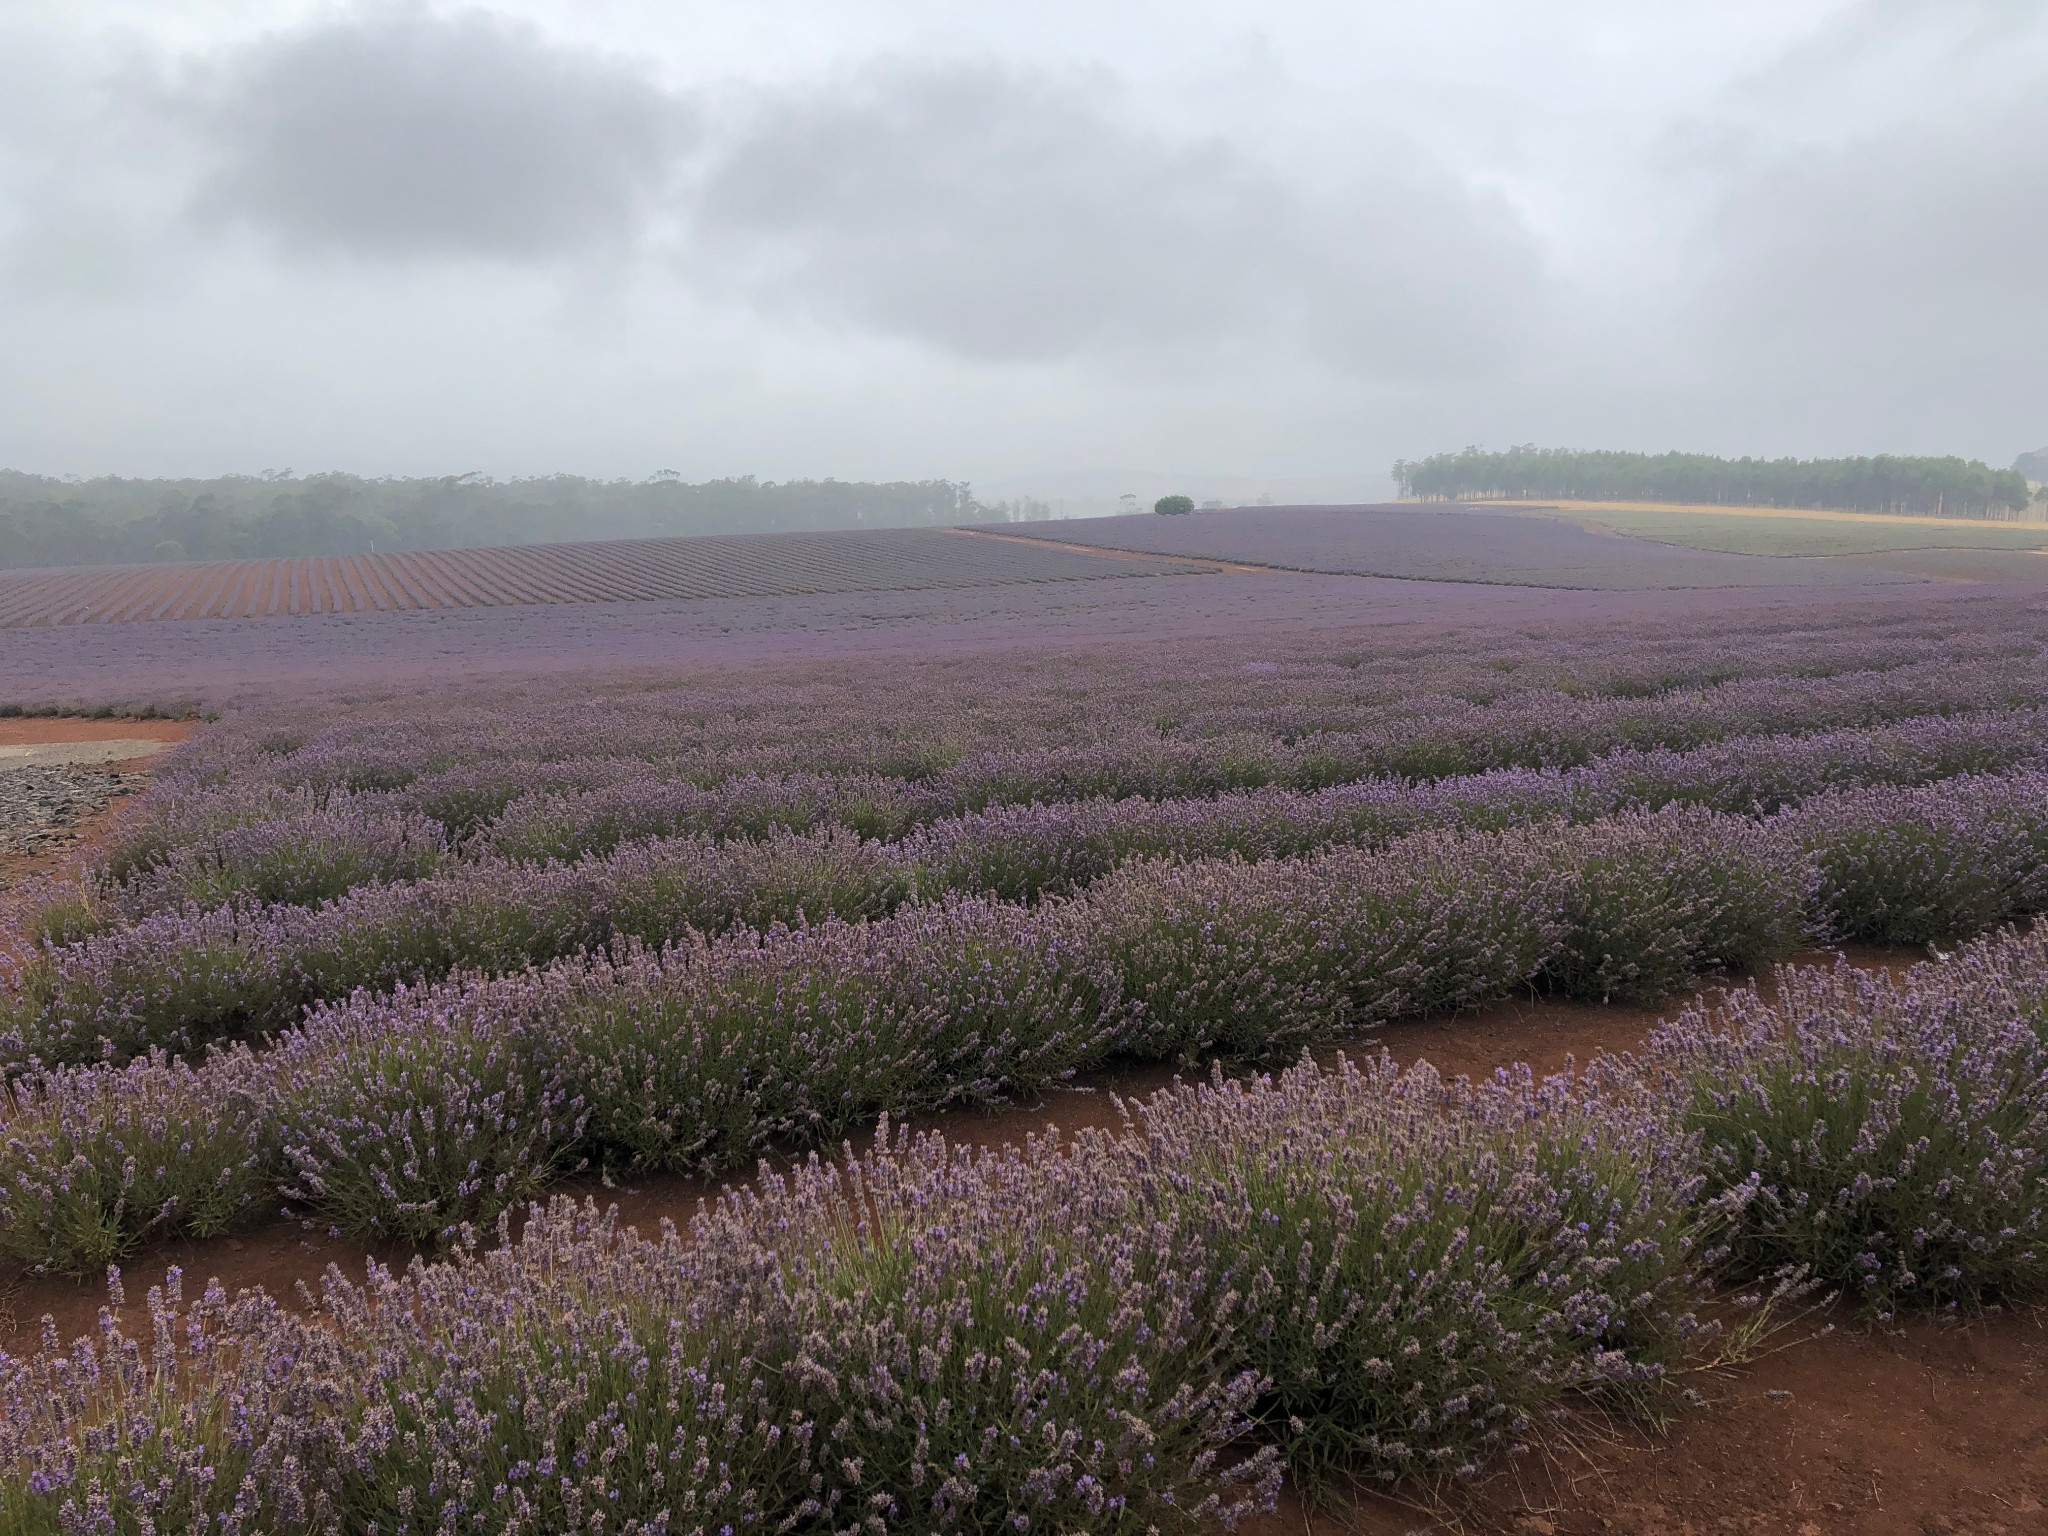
(1448, 545)
(636, 570)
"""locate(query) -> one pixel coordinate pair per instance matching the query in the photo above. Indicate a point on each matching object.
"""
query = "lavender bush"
(1944, 861)
(402, 1119)
(298, 859)
(1650, 900)
(1309, 718)
(400, 1114)
(1890, 1137)
(1419, 1270)
(1016, 848)
(1261, 960)
(95, 1162)
(176, 982)
(915, 1342)
(1647, 900)
(1008, 1342)
(1019, 851)
(179, 979)
(695, 1057)
(222, 1416)
(539, 827)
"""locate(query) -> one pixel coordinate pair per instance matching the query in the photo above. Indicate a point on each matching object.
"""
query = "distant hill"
(2033, 466)
(111, 521)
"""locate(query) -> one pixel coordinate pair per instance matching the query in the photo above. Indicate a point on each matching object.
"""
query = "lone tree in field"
(1173, 506)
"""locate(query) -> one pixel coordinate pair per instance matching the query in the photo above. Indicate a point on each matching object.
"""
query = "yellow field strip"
(1823, 513)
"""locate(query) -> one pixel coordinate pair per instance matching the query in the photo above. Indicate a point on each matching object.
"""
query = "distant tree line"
(1949, 487)
(45, 521)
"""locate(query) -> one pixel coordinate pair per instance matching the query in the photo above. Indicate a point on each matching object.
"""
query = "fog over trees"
(1885, 483)
(47, 521)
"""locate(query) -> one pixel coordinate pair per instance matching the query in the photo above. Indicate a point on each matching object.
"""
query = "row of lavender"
(1357, 1272)
(402, 1113)
(1887, 864)
(960, 759)
(213, 848)
(910, 718)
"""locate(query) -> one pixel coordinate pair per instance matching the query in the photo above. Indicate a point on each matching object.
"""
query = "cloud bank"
(406, 237)
(400, 133)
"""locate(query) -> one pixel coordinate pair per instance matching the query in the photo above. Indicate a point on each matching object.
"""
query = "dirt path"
(1927, 1429)
(1126, 554)
(39, 730)
(126, 750)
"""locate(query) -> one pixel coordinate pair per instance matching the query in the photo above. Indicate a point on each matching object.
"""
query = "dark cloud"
(1000, 213)
(394, 132)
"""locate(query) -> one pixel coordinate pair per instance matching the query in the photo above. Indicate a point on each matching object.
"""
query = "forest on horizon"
(1944, 486)
(45, 521)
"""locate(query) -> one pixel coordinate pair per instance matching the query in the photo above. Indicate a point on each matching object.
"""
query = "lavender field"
(625, 570)
(1424, 544)
(397, 953)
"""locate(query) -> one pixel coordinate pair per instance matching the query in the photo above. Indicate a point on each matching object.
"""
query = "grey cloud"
(1003, 214)
(1408, 278)
(1916, 248)
(397, 132)
(991, 212)
(1000, 213)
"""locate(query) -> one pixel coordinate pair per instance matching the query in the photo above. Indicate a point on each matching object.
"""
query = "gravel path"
(40, 805)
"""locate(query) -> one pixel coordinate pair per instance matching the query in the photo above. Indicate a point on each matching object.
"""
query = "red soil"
(37, 730)
(1928, 1429)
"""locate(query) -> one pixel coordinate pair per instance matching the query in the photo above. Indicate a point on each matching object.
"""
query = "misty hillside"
(2033, 467)
(47, 521)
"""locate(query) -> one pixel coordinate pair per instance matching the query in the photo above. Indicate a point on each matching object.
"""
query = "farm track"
(626, 571)
(64, 849)
(1234, 568)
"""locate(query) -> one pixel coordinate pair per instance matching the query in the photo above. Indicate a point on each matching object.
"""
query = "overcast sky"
(1015, 243)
